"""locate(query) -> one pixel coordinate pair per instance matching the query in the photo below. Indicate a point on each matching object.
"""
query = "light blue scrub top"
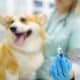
(63, 31)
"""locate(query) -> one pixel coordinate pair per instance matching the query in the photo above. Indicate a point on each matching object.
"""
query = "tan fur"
(36, 19)
(7, 61)
(5, 20)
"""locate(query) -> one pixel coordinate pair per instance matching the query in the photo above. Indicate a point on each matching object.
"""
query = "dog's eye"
(22, 19)
(10, 22)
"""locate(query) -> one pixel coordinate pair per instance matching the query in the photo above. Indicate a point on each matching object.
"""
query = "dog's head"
(24, 30)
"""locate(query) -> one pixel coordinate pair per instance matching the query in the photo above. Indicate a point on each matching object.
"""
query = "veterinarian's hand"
(60, 68)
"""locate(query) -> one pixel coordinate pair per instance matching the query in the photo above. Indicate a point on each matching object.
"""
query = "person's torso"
(59, 30)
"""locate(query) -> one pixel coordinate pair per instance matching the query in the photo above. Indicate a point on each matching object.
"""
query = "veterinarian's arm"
(74, 45)
(74, 50)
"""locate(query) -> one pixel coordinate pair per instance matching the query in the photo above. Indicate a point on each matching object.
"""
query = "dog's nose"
(13, 29)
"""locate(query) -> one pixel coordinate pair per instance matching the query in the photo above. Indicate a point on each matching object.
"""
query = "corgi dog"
(21, 54)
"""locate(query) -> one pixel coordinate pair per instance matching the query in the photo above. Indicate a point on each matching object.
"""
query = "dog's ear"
(42, 17)
(5, 20)
(2, 20)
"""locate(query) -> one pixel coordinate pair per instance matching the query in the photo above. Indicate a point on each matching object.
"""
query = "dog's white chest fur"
(28, 63)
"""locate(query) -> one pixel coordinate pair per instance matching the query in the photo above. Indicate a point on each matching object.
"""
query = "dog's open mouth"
(20, 37)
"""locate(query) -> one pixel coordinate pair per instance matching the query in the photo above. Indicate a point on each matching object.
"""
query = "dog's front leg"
(10, 76)
(32, 76)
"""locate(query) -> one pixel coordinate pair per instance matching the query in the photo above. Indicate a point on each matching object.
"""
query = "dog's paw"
(10, 76)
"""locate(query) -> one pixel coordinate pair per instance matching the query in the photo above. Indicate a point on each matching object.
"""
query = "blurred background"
(29, 6)
(12, 7)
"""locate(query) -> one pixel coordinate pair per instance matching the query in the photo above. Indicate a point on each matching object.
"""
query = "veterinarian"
(63, 29)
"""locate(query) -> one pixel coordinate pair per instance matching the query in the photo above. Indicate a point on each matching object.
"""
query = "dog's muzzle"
(26, 33)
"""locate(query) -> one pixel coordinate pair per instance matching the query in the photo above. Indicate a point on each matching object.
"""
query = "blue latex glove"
(60, 68)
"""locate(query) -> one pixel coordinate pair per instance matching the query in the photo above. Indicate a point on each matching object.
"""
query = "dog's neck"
(16, 49)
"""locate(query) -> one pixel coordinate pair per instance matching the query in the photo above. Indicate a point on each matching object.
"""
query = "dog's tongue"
(19, 39)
